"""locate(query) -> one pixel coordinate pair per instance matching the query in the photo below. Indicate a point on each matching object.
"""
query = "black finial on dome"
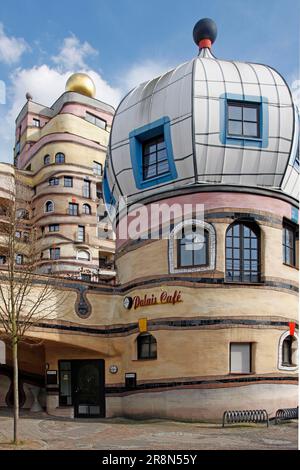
(205, 32)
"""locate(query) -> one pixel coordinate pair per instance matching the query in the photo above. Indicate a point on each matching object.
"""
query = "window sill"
(145, 359)
(291, 266)
(245, 283)
(242, 137)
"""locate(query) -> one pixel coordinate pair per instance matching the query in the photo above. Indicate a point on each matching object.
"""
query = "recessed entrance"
(82, 385)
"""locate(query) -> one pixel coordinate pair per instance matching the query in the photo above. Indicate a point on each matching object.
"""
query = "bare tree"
(26, 297)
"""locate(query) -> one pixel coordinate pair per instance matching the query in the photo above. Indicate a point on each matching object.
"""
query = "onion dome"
(207, 122)
(81, 83)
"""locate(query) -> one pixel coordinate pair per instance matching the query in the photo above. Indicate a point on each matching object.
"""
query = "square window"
(243, 119)
(152, 154)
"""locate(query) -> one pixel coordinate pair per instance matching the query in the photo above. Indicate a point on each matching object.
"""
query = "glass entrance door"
(88, 388)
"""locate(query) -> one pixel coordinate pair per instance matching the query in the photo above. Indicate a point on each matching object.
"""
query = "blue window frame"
(244, 120)
(151, 154)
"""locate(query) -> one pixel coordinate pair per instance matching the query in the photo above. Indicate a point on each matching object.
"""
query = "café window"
(240, 358)
(146, 346)
(290, 240)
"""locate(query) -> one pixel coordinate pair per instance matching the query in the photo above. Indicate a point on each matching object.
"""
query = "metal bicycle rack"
(245, 416)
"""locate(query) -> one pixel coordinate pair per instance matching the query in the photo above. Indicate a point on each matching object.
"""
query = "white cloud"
(11, 48)
(46, 83)
(73, 54)
(143, 71)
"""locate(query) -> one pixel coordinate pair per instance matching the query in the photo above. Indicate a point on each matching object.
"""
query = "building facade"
(206, 318)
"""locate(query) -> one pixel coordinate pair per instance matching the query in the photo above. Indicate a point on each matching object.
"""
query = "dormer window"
(155, 159)
(152, 154)
(243, 119)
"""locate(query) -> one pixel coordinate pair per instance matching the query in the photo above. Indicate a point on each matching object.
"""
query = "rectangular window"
(19, 259)
(54, 253)
(155, 158)
(54, 228)
(290, 238)
(65, 383)
(96, 120)
(81, 233)
(68, 181)
(36, 122)
(98, 169)
(73, 208)
(243, 119)
(86, 190)
(240, 358)
(53, 181)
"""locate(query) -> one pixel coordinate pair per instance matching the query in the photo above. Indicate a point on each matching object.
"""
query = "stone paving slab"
(40, 431)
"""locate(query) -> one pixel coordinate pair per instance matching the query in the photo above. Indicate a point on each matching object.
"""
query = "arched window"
(49, 206)
(146, 346)
(243, 252)
(59, 158)
(83, 255)
(86, 209)
(287, 351)
(46, 159)
(192, 247)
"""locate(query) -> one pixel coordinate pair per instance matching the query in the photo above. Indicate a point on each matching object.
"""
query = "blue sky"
(123, 42)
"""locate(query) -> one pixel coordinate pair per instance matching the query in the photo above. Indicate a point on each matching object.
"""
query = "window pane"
(250, 114)
(199, 254)
(250, 129)
(162, 155)
(235, 127)
(240, 358)
(150, 172)
(186, 255)
(163, 167)
(150, 148)
(150, 159)
(235, 112)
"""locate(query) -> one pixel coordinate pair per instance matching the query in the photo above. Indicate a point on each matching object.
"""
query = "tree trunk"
(16, 388)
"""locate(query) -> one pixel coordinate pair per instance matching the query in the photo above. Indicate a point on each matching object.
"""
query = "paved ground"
(39, 431)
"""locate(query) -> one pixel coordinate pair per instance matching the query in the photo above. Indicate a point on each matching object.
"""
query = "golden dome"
(81, 83)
